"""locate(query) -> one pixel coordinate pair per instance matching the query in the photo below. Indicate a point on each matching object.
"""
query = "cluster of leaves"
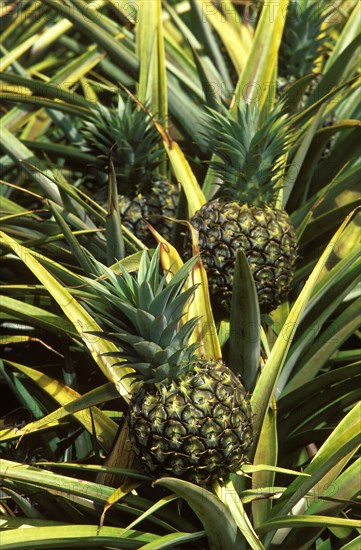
(66, 398)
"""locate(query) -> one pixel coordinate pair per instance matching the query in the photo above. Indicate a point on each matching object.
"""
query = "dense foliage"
(104, 122)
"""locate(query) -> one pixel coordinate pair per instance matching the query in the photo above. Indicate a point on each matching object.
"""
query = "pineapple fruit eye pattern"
(265, 235)
(191, 417)
(197, 427)
(154, 206)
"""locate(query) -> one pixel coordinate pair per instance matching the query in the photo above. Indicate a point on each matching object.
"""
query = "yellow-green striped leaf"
(255, 83)
(81, 319)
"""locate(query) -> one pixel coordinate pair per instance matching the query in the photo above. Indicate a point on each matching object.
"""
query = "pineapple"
(242, 215)
(136, 156)
(154, 206)
(191, 417)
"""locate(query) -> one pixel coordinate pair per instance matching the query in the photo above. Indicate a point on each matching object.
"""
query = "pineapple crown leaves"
(303, 40)
(249, 152)
(137, 145)
(145, 316)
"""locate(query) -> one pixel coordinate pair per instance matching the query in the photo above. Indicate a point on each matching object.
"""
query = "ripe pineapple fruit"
(191, 417)
(136, 157)
(243, 214)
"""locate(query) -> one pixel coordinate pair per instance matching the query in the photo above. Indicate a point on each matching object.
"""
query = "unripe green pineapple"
(154, 206)
(196, 427)
(136, 155)
(191, 417)
(243, 214)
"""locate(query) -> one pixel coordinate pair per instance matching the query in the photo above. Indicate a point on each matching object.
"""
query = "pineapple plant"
(242, 214)
(304, 49)
(303, 41)
(134, 143)
(191, 417)
(64, 438)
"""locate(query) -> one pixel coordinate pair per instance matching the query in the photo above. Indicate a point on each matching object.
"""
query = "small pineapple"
(191, 417)
(243, 214)
(137, 153)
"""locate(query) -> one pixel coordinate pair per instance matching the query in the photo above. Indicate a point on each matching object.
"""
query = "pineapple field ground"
(180, 274)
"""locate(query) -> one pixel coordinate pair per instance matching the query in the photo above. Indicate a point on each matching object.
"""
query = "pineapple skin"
(198, 427)
(267, 238)
(153, 207)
